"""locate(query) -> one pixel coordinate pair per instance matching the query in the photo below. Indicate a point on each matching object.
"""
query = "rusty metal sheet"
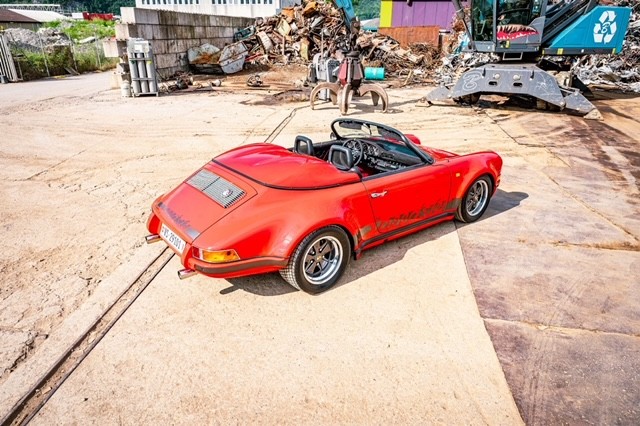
(408, 35)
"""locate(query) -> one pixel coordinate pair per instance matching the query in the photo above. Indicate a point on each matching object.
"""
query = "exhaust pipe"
(183, 274)
(153, 238)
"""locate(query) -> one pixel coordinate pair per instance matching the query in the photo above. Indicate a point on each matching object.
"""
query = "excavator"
(537, 42)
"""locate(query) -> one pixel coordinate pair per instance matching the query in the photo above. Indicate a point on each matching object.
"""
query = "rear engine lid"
(275, 166)
(202, 200)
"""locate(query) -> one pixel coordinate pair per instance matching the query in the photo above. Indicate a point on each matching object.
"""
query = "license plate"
(172, 239)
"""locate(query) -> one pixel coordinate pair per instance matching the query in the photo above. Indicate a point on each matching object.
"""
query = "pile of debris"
(23, 39)
(616, 71)
(301, 32)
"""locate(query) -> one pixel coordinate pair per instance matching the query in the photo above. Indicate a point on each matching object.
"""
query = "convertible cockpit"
(372, 148)
(380, 156)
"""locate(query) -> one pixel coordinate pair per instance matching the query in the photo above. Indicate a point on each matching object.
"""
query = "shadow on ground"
(376, 258)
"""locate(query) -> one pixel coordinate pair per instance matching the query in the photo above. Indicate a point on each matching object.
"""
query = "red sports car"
(305, 211)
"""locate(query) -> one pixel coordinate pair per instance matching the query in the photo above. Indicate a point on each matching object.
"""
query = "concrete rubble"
(24, 39)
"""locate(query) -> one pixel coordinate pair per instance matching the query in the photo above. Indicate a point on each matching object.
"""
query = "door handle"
(378, 194)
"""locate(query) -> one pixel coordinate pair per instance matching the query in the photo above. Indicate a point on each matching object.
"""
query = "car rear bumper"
(258, 265)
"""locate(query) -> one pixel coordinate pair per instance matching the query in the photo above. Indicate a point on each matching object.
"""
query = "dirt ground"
(552, 268)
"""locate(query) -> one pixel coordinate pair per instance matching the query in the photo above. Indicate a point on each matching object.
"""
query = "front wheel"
(475, 201)
(319, 260)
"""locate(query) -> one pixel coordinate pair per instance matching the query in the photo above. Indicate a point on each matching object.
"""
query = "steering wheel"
(357, 149)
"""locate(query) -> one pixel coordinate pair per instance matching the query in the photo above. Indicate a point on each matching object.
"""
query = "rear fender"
(276, 221)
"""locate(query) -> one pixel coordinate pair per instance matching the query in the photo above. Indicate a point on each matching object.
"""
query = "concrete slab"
(554, 267)
(191, 351)
(568, 376)
(32, 368)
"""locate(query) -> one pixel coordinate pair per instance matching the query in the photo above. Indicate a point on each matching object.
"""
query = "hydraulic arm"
(350, 81)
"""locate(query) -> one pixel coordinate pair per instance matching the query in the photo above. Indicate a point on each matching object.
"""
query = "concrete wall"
(172, 33)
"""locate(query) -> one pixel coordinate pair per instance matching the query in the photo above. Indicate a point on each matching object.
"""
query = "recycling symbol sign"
(605, 28)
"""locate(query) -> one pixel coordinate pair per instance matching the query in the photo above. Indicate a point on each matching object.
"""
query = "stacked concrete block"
(173, 33)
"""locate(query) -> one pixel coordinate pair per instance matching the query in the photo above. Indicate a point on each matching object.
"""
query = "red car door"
(408, 197)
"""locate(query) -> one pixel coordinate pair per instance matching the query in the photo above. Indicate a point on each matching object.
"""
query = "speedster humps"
(307, 210)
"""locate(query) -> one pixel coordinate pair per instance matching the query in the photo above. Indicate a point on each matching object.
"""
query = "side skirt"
(400, 232)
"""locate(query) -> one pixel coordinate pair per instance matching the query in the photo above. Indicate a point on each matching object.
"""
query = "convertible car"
(307, 210)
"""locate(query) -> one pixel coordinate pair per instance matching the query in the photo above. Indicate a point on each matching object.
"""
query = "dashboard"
(380, 156)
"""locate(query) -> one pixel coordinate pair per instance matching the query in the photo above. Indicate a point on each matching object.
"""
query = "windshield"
(349, 128)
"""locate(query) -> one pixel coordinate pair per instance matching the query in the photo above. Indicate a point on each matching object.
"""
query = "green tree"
(367, 9)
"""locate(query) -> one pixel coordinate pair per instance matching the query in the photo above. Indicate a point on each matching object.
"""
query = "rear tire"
(319, 260)
(475, 201)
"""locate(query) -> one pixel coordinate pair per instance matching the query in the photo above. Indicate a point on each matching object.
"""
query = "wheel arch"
(324, 224)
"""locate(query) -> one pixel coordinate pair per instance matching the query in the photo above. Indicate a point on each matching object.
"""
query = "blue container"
(373, 73)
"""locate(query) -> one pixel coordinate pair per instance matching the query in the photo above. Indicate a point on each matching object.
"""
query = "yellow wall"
(386, 13)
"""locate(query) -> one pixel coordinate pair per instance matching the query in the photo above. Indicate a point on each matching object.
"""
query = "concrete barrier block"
(167, 60)
(168, 18)
(211, 32)
(239, 22)
(172, 45)
(183, 45)
(127, 15)
(145, 31)
(202, 20)
(213, 20)
(114, 48)
(186, 19)
(220, 42)
(160, 32)
(147, 16)
(227, 32)
(185, 32)
(167, 73)
(200, 32)
(161, 46)
(126, 31)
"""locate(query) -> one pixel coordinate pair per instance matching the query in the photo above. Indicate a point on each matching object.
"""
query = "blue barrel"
(374, 73)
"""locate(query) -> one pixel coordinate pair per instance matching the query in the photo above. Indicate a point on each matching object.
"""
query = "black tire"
(319, 260)
(475, 200)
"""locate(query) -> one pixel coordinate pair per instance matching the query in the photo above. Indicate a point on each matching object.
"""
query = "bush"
(80, 57)
(79, 30)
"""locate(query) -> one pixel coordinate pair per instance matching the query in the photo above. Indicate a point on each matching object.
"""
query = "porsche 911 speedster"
(307, 210)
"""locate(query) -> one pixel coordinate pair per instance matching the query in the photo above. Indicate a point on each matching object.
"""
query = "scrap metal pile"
(616, 71)
(300, 32)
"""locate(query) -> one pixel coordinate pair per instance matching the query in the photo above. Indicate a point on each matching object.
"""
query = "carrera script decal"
(363, 232)
(423, 213)
(179, 220)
